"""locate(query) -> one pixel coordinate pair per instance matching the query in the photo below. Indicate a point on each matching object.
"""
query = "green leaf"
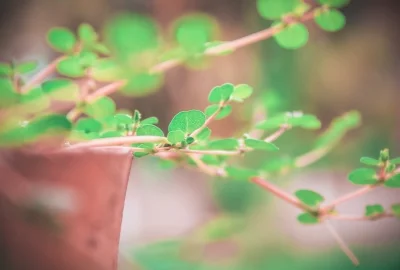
(106, 70)
(272, 9)
(374, 210)
(274, 122)
(87, 34)
(393, 182)
(26, 67)
(309, 197)
(369, 161)
(87, 59)
(187, 121)
(363, 176)
(279, 165)
(396, 210)
(221, 93)
(124, 119)
(61, 39)
(260, 145)
(35, 101)
(306, 121)
(111, 134)
(176, 136)
(101, 108)
(71, 67)
(307, 218)
(224, 112)
(204, 134)
(141, 84)
(5, 69)
(150, 120)
(395, 161)
(88, 125)
(61, 89)
(330, 20)
(100, 49)
(240, 173)
(334, 3)
(224, 144)
(241, 92)
(149, 130)
(292, 36)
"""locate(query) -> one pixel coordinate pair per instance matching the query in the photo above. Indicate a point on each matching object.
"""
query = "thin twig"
(42, 75)
(118, 141)
(348, 197)
(276, 134)
(208, 121)
(203, 166)
(360, 218)
(343, 246)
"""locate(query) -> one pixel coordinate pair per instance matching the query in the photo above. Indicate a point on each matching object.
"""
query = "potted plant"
(66, 149)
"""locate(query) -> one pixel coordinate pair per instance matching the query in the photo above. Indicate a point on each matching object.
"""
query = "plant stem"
(311, 157)
(42, 75)
(105, 90)
(208, 121)
(279, 193)
(119, 141)
(276, 134)
(359, 218)
(349, 196)
(202, 166)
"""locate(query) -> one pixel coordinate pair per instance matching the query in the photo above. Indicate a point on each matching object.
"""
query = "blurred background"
(181, 219)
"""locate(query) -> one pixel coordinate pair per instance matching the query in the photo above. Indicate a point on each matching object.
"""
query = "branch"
(208, 121)
(343, 246)
(276, 134)
(42, 75)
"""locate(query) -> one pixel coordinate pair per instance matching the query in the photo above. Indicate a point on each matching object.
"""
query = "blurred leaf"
(61, 39)
(241, 92)
(204, 134)
(395, 161)
(224, 144)
(309, 197)
(307, 218)
(370, 161)
(8, 95)
(142, 84)
(374, 210)
(88, 125)
(151, 121)
(100, 108)
(260, 145)
(222, 227)
(124, 119)
(106, 70)
(279, 165)
(293, 36)
(330, 20)
(61, 89)
(396, 210)
(224, 112)
(187, 121)
(240, 173)
(306, 121)
(5, 69)
(393, 182)
(272, 9)
(111, 134)
(26, 67)
(221, 93)
(363, 176)
(87, 34)
(71, 67)
(149, 130)
(176, 136)
(334, 3)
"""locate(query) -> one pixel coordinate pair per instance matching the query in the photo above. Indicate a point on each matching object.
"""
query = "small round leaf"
(293, 36)
(309, 197)
(61, 39)
(363, 176)
(331, 20)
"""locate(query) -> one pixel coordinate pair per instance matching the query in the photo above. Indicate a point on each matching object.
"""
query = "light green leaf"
(204, 134)
(176, 136)
(369, 161)
(273, 9)
(187, 121)
(221, 93)
(61, 89)
(260, 145)
(240, 173)
(241, 92)
(363, 176)
(150, 120)
(106, 70)
(26, 67)
(111, 134)
(292, 36)
(124, 119)
(374, 210)
(309, 197)
(274, 122)
(330, 20)
(307, 218)
(149, 130)
(88, 125)
(61, 39)
(224, 144)
(101, 108)
(87, 34)
(224, 112)
(71, 67)
(306, 121)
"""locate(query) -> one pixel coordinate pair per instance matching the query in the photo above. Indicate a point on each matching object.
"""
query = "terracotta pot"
(81, 233)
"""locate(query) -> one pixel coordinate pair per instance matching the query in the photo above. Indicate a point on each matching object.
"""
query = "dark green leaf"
(176, 136)
(307, 218)
(61, 39)
(309, 197)
(260, 145)
(189, 140)
(363, 176)
(187, 121)
(330, 20)
(374, 210)
(221, 93)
